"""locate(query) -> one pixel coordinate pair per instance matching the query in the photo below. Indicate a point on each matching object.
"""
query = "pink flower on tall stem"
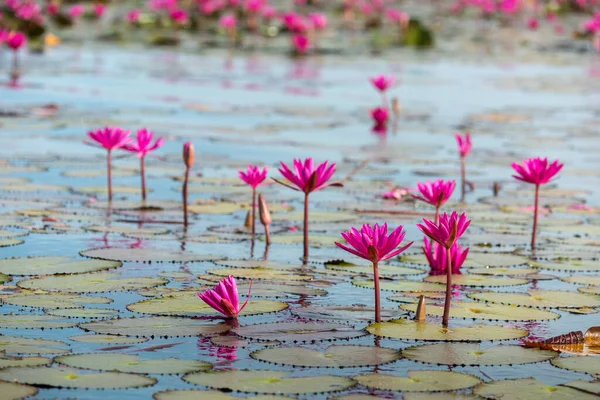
(446, 233)
(253, 177)
(224, 297)
(383, 83)
(99, 9)
(436, 257)
(306, 178)
(435, 193)
(464, 148)
(76, 11)
(374, 244)
(15, 40)
(318, 21)
(229, 23)
(179, 16)
(109, 138)
(301, 44)
(536, 171)
(142, 146)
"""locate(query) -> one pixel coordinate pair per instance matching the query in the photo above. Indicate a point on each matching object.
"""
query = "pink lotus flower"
(133, 16)
(306, 177)
(228, 21)
(144, 145)
(435, 193)
(395, 194)
(15, 40)
(295, 23)
(382, 83)
(318, 21)
(99, 9)
(253, 6)
(397, 16)
(269, 12)
(380, 115)
(301, 43)
(179, 16)
(448, 230)
(533, 24)
(253, 176)
(464, 144)
(536, 170)
(436, 257)
(374, 244)
(76, 11)
(224, 297)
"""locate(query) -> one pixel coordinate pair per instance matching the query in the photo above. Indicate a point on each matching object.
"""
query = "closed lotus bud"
(421, 311)
(496, 189)
(248, 221)
(263, 210)
(188, 154)
(396, 108)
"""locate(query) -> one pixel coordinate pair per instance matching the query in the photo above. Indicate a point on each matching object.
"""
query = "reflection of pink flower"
(380, 115)
(542, 210)
(436, 257)
(581, 207)
(394, 194)
(449, 229)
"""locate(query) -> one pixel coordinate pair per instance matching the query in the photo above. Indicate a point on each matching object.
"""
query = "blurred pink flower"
(301, 43)
(228, 21)
(15, 40)
(133, 16)
(318, 21)
(76, 11)
(382, 82)
(253, 176)
(464, 144)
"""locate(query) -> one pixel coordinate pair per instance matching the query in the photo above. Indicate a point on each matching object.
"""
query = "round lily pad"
(401, 286)
(419, 381)
(188, 304)
(301, 332)
(589, 289)
(64, 377)
(260, 274)
(332, 357)
(52, 300)
(583, 280)
(107, 339)
(316, 216)
(32, 321)
(492, 312)
(275, 382)
(426, 331)
(132, 363)
(592, 387)
(91, 283)
(477, 280)
(92, 313)
(571, 265)
(207, 395)
(229, 341)
(472, 354)
(540, 299)
(33, 361)
(155, 327)
(99, 190)
(5, 233)
(261, 264)
(216, 208)
(269, 289)
(477, 259)
(314, 240)
(384, 270)
(10, 242)
(51, 265)
(21, 345)
(126, 230)
(342, 313)
(587, 364)
(16, 391)
(146, 255)
(502, 271)
(529, 388)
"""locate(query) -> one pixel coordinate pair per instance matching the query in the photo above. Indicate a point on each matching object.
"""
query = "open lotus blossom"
(435, 193)
(464, 148)
(109, 138)
(224, 297)
(306, 178)
(76, 11)
(374, 244)
(536, 171)
(15, 40)
(142, 146)
(436, 257)
(446, 233)
(301, 43)
(382, 82)
(253, 177)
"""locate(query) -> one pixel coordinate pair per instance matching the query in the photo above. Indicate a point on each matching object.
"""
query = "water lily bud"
(421, 312)
(188, 154)
(396, 108)
(263, 209)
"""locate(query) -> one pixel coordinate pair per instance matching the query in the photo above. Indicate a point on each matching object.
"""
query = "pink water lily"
(435, 193)
(536, 171)
(15, 40)
(109, 138)
(382, 82)
(224, 297)
(374, 244)
(306, 178)
(142, 146)
(446, 233)
(253, 177)
(437, 257)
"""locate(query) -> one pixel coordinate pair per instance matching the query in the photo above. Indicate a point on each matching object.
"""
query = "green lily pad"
(93, 313)
(229, 341)
(4, 233)
(259, 274)
(261, 264)
(21, 345)
(269, 289)
(298, 332)
(540, 299)
(472, 354)
(188, 304)
(16, 391)
(342, 313)
(129, 230)
(146, 255)
(592, 387)
(314, 240)
(529, 388)
(582, 280)
(33, 361)
(64, 377)
(421, 330)
(477, 280)
(10, 242)
(216, 208)
(52, 265)
(274, 382)
(107, 339)
(384, 270)
(571, 266)
(315, 216)
(101, 190)
(52, 300)
(31, 321)
(155, 327)
(419, 381)
(91, 283)
(502, 271)
(401, 286)
(587, 364)
(590, 289)
(492, 312)
(132, 363)
(477, 260)
(206, 395)
(332, 357)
